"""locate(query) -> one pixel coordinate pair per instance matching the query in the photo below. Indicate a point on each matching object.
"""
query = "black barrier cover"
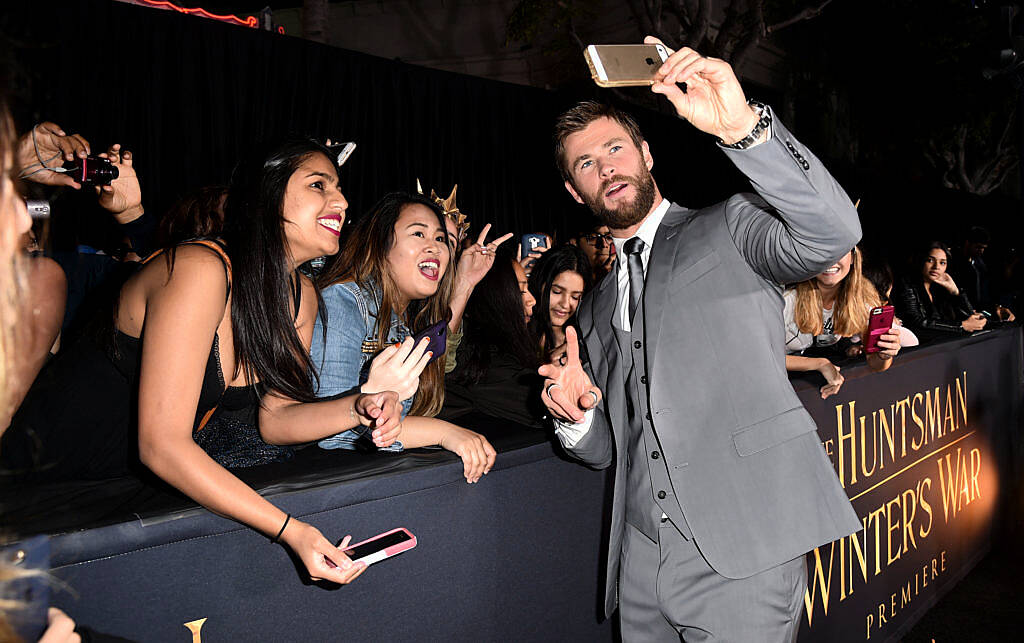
(514, 557)
(922, 450)
(518, 555)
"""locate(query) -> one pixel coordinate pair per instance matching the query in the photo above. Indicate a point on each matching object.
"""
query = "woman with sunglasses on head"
(393, 278)
(231, 316)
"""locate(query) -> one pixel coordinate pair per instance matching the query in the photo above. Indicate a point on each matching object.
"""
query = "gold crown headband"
(450, 210)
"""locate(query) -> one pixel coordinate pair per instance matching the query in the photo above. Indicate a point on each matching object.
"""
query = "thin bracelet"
(278, 536)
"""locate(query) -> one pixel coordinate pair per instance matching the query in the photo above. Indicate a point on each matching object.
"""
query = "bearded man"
(721, 482)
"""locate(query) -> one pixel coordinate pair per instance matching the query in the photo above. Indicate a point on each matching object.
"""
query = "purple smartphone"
(438, 335)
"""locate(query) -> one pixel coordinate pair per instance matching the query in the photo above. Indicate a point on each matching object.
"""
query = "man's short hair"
(582, 115)
(978, 234)
(584, 224)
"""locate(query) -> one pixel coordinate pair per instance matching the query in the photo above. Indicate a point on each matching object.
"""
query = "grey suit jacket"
(746, 464)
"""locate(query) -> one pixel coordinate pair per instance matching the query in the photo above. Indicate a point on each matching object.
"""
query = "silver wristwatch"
(764, 121)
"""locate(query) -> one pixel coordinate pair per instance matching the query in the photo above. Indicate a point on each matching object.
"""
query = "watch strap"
(764, 122)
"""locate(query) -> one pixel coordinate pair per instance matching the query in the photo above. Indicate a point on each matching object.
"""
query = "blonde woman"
(827, 315)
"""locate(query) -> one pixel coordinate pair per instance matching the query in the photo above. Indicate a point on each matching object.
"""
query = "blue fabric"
(343, 363)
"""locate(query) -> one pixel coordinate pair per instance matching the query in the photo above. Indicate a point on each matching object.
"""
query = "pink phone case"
(879, 324)
(387, 552)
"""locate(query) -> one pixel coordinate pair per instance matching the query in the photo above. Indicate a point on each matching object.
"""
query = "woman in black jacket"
(929, 301)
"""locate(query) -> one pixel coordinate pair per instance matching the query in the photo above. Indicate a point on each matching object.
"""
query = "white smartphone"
(624, 65)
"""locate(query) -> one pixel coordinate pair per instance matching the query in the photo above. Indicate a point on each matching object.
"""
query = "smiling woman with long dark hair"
(229, 318)
(558, 281)
(394, 277)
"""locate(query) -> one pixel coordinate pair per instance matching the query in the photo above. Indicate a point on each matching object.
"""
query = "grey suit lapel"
(605, 354)
(659, 274)
(603, 312)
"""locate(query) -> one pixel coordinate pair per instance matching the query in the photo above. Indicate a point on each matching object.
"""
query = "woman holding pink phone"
(393, 277)
(828, 315)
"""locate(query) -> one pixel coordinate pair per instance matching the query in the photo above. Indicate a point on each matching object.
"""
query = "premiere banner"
(919, 450)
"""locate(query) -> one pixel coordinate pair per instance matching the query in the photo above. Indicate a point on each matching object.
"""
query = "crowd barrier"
(929, 452)
(923, 450)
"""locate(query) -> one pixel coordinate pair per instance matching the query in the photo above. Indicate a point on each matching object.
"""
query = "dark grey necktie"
(634, 248)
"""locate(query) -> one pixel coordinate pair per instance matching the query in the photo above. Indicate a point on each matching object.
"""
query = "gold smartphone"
(624, 65)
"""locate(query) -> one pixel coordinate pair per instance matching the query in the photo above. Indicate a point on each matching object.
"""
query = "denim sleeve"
(338, 358)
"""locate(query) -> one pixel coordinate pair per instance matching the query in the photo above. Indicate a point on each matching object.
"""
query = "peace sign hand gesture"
(713, 101)
(477, 259)
(568, 391)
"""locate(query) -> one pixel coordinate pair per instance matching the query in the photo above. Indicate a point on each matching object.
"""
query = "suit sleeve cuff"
(769, 134)
(569, 434)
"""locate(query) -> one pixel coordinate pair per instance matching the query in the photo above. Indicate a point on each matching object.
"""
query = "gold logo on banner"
(914, 452)
(196, 627)
(866, 451)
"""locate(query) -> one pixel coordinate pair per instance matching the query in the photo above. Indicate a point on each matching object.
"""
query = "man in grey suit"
(721, 482)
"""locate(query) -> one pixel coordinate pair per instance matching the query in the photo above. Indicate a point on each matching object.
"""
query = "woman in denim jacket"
(393, 276)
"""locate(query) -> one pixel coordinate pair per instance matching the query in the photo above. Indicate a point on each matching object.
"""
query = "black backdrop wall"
(187, 95)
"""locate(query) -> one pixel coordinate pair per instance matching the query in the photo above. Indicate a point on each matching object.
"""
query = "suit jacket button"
(637, 344)
(643, 379)
(655, 455)
(661, 495)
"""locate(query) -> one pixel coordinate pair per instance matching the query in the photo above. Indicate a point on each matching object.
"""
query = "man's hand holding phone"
(713, 101)
(568, 392)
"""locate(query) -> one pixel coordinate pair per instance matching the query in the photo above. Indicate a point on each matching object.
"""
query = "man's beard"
(628, 214)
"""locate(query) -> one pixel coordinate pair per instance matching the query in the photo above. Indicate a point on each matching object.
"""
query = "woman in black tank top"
(235, 316)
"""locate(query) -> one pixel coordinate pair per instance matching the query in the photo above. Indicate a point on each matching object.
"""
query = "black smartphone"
(530, 242)
(533, 240)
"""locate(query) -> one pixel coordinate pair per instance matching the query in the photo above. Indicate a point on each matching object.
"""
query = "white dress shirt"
(570, 434)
